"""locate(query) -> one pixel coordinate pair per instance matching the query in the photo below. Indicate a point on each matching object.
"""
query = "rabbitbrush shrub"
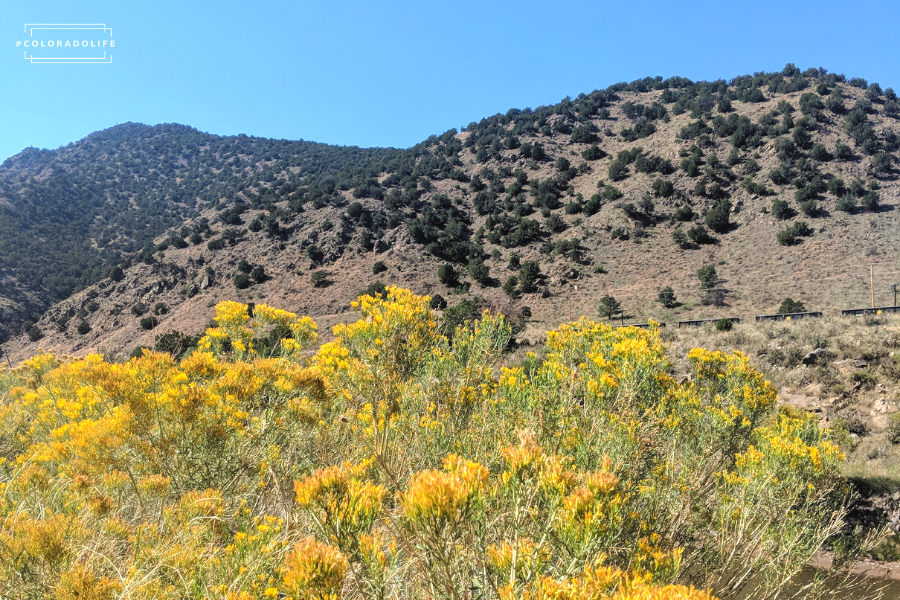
(391, 463)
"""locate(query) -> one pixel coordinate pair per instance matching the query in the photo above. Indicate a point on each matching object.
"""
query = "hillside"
(68, 216)
(785, 183)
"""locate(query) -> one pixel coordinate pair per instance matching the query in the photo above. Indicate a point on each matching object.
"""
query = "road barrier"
(641, 325)
(787, 316)
(856, 312)
(699, 322)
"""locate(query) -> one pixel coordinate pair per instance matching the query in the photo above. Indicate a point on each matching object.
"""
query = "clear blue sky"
(392, 73)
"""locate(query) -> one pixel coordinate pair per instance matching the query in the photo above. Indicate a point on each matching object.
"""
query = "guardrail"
(641, 325)
(856, 312)
(787, 316)
(699, 322)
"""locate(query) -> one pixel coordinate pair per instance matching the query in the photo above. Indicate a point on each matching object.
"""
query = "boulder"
(813, 357)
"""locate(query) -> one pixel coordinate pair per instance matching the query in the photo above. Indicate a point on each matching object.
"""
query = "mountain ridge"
(591, 189)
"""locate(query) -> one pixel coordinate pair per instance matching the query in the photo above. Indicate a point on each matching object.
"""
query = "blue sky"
(392, 73)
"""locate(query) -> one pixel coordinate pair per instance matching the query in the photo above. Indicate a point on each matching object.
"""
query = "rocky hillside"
(777, 185)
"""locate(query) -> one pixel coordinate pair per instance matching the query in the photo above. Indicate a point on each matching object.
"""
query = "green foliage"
(139, 309)
(160, 308)
(84, 327)
(610, 193)
(786, 237)
(836, 186)
(139, 351)
(574, 208)
(758, 189)
(820, 152)
(790, 234)
(529, 274)
(699, 235)
(734, 157)
(117, 274)
(871, 201)
(609, 306)
(707, 276)
(618, 170)
(719, 217)
(466, 312)
(376, 288)
(789, 306)
(781, 210)
(175, 343)
(258, 274)
(379, 267)
(667, 298)
(35, 333)
(846, 203)
(653, 164)
(319, 279)
(724, 324)
(570, 248)
(242, 281)
(683, 214)
(315, 254)
(681, 239)
(811, 105)
(594, 152)
(448, 276)
(810, 208)
(265, 183)
(479, 271)
(584, 134)
(843, 151)
(511, 286)
(593, 205)
(858, 127)
(619, 233)
(437, 302)
(662, 188)
(148, 323)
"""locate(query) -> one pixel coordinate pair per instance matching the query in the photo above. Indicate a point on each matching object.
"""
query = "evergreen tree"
(609, 306)
(707, 276)
(666, 297)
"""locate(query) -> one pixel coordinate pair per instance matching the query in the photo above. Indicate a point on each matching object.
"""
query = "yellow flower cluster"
(236, 330)
(600, 582)
(314, 571)
(345, 506)
(792, 445)
(157, 478)
(437, 500)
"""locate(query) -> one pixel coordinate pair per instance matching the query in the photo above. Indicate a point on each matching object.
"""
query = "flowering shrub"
(397, 462)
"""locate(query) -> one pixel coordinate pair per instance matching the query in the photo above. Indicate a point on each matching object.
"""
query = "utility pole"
(569, 303)
(894, 287)
(872, 283)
